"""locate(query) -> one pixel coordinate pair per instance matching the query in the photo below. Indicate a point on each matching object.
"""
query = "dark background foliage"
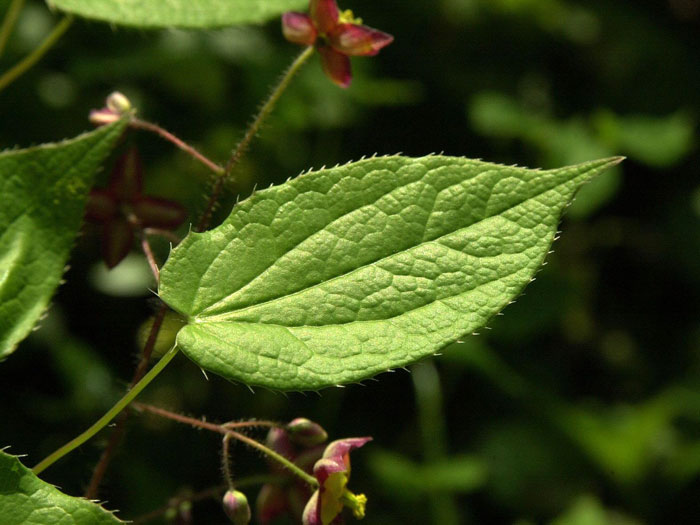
(580, 405)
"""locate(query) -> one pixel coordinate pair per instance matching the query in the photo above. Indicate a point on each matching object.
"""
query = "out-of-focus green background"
(579, 406)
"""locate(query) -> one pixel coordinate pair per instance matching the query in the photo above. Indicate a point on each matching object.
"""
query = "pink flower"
(333, 472)
(122, 209)
(336, 35)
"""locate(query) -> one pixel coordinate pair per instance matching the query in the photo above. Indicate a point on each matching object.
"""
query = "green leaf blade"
(344, 273)
(42, 198)
(27, 500)
(192, 14)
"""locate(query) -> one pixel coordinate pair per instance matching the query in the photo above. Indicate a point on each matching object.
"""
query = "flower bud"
(236, 507)
(101, 117)
(118, 103)
(306, 433)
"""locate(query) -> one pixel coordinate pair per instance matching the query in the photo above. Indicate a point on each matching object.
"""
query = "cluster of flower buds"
(301, 442)
(116, 106)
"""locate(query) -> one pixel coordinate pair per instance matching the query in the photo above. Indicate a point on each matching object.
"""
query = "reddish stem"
(148, 252)
(165, 134)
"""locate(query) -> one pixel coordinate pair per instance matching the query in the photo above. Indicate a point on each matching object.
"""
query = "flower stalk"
(137, 123)
(225, 429)
(252, 130)
(8, 23)
(32, 58)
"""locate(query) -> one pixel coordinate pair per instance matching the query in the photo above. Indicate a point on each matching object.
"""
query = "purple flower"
(336, 35)
(122, 209)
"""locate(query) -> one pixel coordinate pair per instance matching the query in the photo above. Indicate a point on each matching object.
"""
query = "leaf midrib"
(213, 319)
(359, 268)
(340, 217)
(309, 236)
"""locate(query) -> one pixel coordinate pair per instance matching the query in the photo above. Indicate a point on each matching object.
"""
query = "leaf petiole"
(110, 415)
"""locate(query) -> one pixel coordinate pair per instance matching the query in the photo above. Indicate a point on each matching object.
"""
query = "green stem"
(277, 457)
(110, 415)
(32, 58)
(9, 22)
(252, 130)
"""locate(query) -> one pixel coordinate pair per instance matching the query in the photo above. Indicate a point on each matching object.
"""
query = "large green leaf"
(343, 273)
(179, 13)
(27, 500)
(42, 199)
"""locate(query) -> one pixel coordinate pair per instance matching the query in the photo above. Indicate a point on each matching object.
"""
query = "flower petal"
(101, 205)
(336, 66)
(299, 28)
(158, 213)
(312, 511)
(116, 241)
(353, 39)
(326, 467)
(126, 180)
(325, 14)
(342, 447)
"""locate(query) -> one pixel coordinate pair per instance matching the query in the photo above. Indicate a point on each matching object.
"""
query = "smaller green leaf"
(27, 500)
(42, 200)
(178, 13)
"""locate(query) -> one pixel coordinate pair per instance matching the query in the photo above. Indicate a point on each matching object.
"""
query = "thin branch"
(8, 22)
(221, 429)
(109, 416)
(32, 58)
(120, 427)
(165, 134)
(226, 461)
(252, 130)
(148, 252)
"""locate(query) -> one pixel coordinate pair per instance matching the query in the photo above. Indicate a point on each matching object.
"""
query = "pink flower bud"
(306, 433)
(236, 507)
(101, 117)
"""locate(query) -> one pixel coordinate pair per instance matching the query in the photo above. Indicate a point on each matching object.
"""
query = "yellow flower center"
(346, 17)
(356, 503)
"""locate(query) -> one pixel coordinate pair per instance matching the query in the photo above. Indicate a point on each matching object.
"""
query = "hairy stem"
(222, 429)
(109, 416)
(252, 130)
(226, 461)
(32, 58)
(120, 427)
(148, 252)
(165, 134)
(8, 22)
